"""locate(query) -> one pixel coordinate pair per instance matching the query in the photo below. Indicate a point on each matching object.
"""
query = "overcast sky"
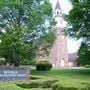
(73, 45)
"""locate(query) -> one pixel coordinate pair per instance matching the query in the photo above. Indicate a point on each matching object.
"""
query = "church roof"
(57, 6)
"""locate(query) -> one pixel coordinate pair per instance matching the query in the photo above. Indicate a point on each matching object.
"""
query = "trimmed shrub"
(43, 65)
(2, 61)
(42, 83)
(69, 85)
(87, 66)
(48, 83)
(27, 85)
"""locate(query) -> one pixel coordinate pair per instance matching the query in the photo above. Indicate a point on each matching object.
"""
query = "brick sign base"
(14, 73)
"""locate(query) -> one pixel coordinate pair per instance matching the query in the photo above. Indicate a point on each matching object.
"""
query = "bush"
(69, 85)
(2, 61)
(47, 83)
(42, 83)
(27, 85)
(87, 66)
(43, 65)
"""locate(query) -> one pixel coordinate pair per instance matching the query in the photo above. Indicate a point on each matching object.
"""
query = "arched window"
(57, 12)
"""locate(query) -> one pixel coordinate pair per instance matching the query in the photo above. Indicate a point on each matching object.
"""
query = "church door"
(62, 63)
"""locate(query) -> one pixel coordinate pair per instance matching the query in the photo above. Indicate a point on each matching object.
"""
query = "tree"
(84, 55)
(26, 25)
(78, 26)
(78, 19)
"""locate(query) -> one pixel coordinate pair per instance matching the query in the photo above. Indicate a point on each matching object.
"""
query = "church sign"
(14, 73)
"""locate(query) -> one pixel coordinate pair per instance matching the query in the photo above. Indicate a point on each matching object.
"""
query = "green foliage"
(65, 79)
(42, 83)
(87, 66)
(83, 55)
(43, 65)
(78, 74)
(2, 61)
(9, 86)
(34, 84)
(25, 29)
(78, 19)
(27, 62)
(78, 27)
(69, 85)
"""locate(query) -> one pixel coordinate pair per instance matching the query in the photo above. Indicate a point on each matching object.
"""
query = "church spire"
(57, 6)
(58, 10)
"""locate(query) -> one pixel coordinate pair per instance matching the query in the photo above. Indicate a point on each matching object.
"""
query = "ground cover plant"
(68, 78)
(9, 86)
(65, 73)
(55, 79)
(35, 83)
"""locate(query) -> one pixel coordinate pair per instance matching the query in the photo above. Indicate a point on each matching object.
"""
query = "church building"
(59, 52)
(59, 56)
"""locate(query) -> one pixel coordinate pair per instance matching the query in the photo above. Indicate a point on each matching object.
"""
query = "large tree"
(25, 29)
(84, 55)
(78, 19)
(78, 25)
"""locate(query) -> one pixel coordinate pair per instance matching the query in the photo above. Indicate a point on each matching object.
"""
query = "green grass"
(9, 86)
(13, 86)
(77, 75)
(65, 73)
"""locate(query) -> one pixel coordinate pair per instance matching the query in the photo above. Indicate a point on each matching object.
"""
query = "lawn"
(65, 73)
(13, 86)
(10, 86)
(68, 78)
(78, 77)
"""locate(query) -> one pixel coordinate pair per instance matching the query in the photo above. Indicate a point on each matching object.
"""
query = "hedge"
(71, 85)
(43, 65)
(87, 66)
(42, 83)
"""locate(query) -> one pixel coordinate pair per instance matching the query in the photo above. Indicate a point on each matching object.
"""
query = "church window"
(62, 45)
(63, 48)
(57, 13)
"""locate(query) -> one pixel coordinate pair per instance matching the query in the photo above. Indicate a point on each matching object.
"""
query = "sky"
(73, 45)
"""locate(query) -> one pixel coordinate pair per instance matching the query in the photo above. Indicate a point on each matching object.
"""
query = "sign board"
(14, 73)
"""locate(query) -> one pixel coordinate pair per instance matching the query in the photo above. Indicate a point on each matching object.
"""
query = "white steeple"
(58, 10)
(58, 13)
(57, 6)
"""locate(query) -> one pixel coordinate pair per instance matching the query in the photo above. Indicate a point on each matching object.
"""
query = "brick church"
(59, 52)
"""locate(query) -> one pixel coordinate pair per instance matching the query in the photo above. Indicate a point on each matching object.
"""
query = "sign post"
(14, 73)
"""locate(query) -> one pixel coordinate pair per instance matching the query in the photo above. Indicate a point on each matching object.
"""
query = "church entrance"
(62, 63)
